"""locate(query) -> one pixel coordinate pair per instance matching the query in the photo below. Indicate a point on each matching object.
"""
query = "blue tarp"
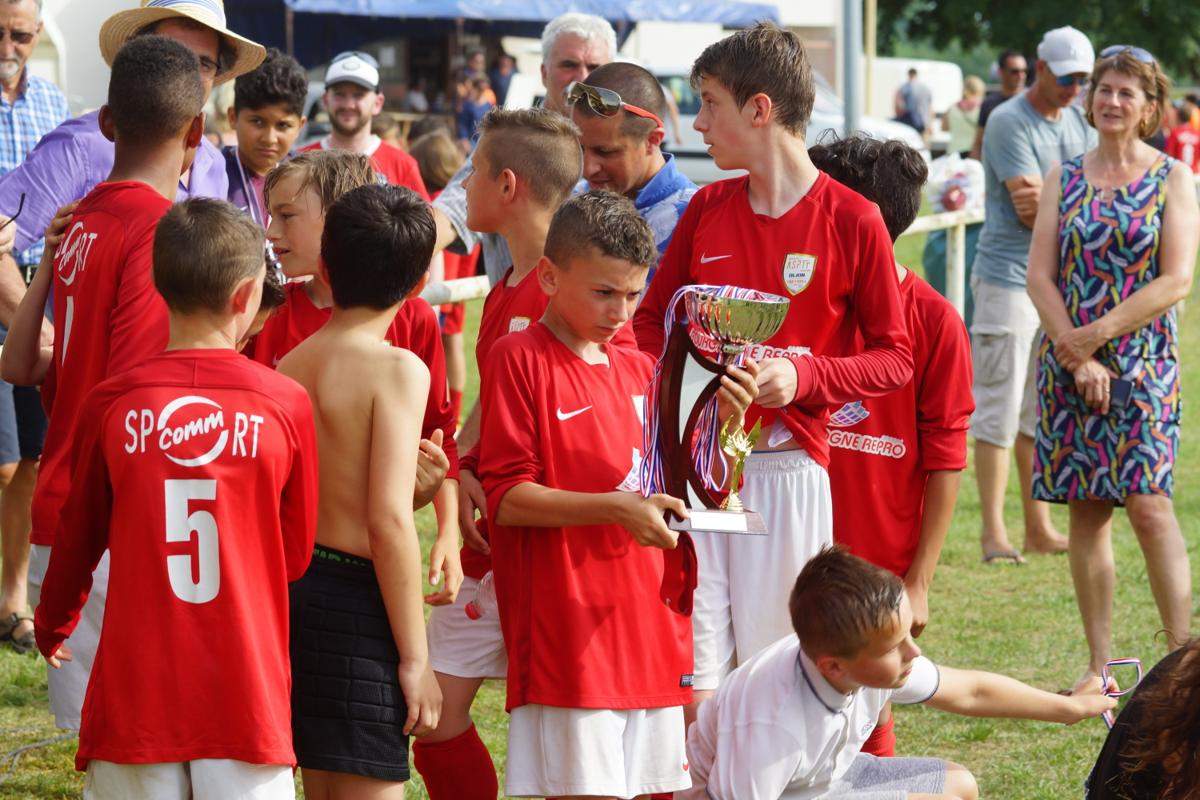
(732, 13)
(323, 28)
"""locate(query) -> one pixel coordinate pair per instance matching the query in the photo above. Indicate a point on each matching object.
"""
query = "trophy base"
(714, 520)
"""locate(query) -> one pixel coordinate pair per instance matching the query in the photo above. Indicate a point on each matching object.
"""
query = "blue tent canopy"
(323, 28)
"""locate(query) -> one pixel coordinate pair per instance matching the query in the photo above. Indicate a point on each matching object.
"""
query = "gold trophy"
(688, 379)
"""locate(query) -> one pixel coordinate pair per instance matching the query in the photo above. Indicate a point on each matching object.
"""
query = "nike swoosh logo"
(706, 259)
(564, 417)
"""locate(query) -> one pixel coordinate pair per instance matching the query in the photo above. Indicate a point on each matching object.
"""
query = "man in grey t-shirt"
(1024, 138)
(914, 102)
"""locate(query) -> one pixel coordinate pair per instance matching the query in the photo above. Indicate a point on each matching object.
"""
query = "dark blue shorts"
(22, 423)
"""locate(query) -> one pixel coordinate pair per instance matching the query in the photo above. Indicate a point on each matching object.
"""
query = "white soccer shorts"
(203, 779)
(465, 647)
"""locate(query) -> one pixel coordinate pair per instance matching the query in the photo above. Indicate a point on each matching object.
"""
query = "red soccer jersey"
(1184, 144)
(831, 255)
(508, 309)
(108, 318)
(415, 328)
(583, 621)
(396, 166)
(883, 449)
(198, 471)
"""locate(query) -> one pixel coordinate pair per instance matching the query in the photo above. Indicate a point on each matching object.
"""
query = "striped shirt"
(39, 108)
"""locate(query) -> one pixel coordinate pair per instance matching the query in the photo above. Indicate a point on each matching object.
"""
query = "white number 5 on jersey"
(181, 523)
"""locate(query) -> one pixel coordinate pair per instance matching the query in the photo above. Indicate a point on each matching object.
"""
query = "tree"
(1170, 29)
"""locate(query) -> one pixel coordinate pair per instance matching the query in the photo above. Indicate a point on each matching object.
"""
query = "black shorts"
(22, 423)
(348, 712)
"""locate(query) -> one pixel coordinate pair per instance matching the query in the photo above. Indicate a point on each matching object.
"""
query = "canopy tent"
(319, 29)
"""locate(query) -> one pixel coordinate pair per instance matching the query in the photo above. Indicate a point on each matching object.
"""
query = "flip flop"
(22, 644)
(1004, 557)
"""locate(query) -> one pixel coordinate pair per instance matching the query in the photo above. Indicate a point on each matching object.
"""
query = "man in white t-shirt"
(790, 723)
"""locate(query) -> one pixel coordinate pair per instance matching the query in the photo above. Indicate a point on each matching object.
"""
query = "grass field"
(1021, 621)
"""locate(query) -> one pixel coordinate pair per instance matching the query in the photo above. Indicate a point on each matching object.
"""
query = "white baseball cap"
(353, 67)
(1066, 51)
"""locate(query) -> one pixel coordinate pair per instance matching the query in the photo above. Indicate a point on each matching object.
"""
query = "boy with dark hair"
(526, 163)
(789, 229)
(362, 680)
(298, 193)
(108, 316)
(620, 111)
(599, 665)
(790, 722)
(267, 115)
(206, 446)
(896, 461)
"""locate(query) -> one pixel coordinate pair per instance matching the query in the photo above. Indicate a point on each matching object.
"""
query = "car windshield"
(688, 100)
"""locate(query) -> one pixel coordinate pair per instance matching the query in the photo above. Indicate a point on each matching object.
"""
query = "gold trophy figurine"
(737, 444)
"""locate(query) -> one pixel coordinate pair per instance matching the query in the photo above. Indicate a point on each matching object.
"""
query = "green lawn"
(1018, 620)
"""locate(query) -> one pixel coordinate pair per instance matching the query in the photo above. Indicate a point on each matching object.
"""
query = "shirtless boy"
(358, 630)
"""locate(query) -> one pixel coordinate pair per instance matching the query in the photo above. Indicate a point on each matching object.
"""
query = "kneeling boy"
(790, 722)
(196, 444)
(599, 666)
(363, 682)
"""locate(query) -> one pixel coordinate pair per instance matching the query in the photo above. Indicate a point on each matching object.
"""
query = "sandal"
(1003, 557)
(8, 626)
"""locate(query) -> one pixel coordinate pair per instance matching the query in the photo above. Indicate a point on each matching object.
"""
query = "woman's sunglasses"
(1141, 55)
(1127, 667)
(605, 102)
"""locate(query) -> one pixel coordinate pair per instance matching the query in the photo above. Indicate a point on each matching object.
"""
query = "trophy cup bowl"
(736, 323)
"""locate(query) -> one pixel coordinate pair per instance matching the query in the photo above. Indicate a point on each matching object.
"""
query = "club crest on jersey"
(192, 431)
(518, 324)
(849, 415)
(798, 270)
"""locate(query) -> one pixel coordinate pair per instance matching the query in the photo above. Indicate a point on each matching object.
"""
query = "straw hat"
(118, 29)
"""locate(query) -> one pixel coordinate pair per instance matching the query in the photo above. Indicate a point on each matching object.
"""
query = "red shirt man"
(1184, 143)
(396, 166)
(108, 316)
(212, 449)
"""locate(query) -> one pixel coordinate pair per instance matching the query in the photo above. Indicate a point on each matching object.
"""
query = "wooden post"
(289, 31)
(956, 266)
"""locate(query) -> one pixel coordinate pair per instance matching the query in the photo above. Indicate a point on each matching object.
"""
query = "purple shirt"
(71, 160)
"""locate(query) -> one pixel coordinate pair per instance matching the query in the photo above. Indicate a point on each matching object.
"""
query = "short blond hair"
(330, 173)
(1154, 82)
(973, 86)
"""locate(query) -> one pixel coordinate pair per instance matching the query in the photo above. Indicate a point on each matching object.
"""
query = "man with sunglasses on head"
(30, 107)
(619, 111)
(1012, 69)
(1024, 139)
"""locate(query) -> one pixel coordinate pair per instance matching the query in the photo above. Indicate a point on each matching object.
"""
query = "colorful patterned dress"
(1108, 249)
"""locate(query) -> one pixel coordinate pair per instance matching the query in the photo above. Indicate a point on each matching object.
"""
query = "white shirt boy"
(776, 729)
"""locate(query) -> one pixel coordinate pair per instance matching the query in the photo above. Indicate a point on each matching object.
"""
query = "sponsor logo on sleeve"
(518, 324)
(798, 270)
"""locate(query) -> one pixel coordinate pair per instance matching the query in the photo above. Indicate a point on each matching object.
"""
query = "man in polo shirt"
(30, 107)
(573, 45)
(1024, 138)
(622, 150)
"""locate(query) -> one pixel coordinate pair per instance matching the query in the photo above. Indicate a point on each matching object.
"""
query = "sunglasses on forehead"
(1141, 55)
(605, 102)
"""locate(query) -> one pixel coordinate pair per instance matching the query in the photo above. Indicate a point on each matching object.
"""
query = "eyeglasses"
(606, 102)
(18, 37)
(209, 67)
(1106, 675)
(1016, 70)
(1071, 80)
(1141, 55)
(13, 218)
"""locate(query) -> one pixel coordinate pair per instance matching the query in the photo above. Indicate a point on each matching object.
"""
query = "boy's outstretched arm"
(400, 388)
(974, 693)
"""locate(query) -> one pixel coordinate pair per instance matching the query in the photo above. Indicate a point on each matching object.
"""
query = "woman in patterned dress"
(1113, 251)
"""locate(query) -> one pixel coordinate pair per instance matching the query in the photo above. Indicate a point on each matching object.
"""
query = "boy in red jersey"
(298, 193)
(107, 315)
(788, 229)
(599, 665)
(362, 681)
(526, 164)
(895, 461)
(194, 444)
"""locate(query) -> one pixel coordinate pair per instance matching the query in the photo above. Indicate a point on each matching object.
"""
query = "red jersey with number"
(396, 166)
(1184, 144)
(583, 622)
(415, 328)
(882, 449)
(831, 256)
(508, 309)
(198, 472)
(108, 318)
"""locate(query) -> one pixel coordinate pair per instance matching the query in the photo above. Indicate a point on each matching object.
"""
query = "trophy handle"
(685, 368)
